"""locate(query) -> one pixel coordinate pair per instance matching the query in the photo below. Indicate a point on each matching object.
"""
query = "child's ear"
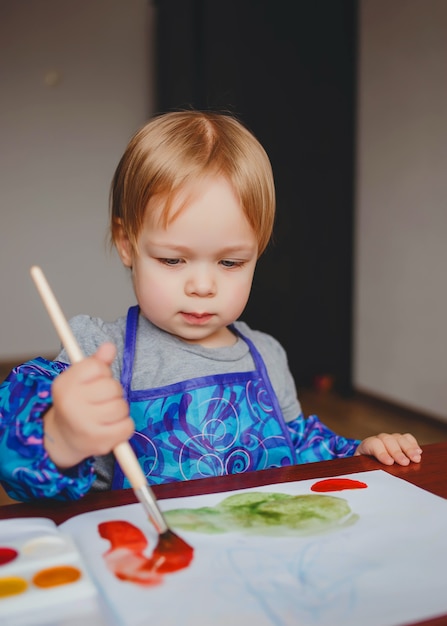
(122, 243)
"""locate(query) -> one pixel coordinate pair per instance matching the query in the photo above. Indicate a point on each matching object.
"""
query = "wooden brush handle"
(123, 452)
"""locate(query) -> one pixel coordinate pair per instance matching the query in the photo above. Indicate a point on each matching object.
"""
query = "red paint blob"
(7, 555)
(126, 558)
(176, 552)
(122, 534)
(337, 484)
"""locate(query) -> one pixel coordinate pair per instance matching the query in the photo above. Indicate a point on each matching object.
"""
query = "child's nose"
(201, 282)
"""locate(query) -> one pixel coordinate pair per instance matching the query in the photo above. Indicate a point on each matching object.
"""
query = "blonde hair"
(177, 148)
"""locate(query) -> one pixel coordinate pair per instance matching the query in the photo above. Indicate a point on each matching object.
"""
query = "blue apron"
(206, 426)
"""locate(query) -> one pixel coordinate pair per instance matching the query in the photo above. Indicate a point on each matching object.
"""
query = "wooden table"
(430, 474)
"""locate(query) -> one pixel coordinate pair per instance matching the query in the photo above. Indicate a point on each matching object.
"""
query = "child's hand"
(391, 448)
(89, 415)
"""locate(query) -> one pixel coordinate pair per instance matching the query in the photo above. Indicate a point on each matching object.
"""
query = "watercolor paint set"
(40, 568)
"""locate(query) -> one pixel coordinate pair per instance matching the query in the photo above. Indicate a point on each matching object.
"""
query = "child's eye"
(228, 263)
(170, 261)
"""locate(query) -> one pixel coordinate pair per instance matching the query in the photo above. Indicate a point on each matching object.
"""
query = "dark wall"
(287, 70)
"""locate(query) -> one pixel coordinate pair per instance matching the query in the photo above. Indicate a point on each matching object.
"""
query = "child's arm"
(314, 441)
(26, 470)
(89, 416)
(390, 449)
(32, 466)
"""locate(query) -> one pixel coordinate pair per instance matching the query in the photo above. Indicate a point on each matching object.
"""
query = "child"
(192, 209)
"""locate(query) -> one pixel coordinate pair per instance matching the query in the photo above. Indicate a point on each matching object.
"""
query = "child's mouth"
(196, 318)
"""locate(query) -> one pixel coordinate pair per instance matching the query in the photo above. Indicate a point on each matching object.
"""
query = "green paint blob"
(261, 513)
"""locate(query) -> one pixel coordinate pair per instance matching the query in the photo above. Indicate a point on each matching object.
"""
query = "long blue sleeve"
(26, 470)
(314, 441)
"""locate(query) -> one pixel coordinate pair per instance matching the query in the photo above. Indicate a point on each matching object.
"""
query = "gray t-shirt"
(162, 359)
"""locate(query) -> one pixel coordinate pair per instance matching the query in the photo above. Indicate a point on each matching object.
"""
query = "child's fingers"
(97, 428)
(383, 449)
(389, 449)
(401, 448)
(103, 440)
(89, 415)
(106, 353)
(95, 366)
(103, 390)
(393, 447)
(409, 446)
(108, 413)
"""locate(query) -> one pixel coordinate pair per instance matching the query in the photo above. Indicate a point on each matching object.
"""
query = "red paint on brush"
(126, 558)
(176, 552)
(337, 484)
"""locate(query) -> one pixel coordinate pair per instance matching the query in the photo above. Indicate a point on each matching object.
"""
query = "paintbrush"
(168, 540)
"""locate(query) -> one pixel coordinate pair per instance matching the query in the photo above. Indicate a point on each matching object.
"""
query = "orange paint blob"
(12, 586)
(337, 484)
(54, 576)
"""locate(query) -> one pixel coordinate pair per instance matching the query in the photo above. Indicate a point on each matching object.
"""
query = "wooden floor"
(359, 417)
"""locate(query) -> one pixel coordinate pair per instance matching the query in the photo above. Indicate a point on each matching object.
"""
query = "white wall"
(61, 142)
(401, 232)
(76, 82)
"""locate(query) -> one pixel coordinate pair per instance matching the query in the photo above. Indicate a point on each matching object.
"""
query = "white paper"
(388, 568)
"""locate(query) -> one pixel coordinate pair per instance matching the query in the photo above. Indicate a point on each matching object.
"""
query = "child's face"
(193, 277)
